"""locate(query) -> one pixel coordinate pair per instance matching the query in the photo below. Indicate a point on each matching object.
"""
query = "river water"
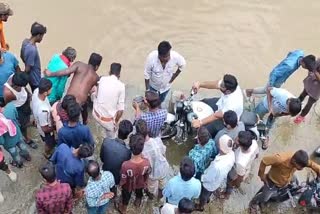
(245, 38)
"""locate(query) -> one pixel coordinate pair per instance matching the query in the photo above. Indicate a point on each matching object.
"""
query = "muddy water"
(246, 38)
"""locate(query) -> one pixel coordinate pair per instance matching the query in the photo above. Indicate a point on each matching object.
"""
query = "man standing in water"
(84, 78)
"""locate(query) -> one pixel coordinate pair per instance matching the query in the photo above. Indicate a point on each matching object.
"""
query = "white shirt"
(168, 208)
(245, 160)
(110, 96)
(158, 77)
(21, 96)
(217, 172)
(41, 111)
(233, 101)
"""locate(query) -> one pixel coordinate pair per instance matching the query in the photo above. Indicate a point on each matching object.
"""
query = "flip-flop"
(32, 144)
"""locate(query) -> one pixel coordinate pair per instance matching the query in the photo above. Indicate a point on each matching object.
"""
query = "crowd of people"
(132, 155)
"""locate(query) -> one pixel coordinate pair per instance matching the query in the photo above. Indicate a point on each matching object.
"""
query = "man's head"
(308, 62)
(164, 48)
(229, 84)
(95, 60)
(48, 172)
(152, 99)
(85, 150)
(244, 140)
(294, 106)
(67, 100)
(141, 127)
(203, 135)
(45, 86)
(225, 144)
(230, 119)
(125, 128)
(136, 144)
(93, 169)
(115, 69)
(20, 79)
(38, 31)
(185, 206)
(300, 159)
(70, 53)
(5, 12)
(73, 112)
(187, 169)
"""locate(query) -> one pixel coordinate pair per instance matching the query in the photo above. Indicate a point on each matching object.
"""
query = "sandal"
(265, 143)
(32, 144)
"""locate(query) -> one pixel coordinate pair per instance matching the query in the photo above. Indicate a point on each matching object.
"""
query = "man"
(4, 167)
(278, 102)
(5, 12)
(185, 206)
(159, 71)
(108, 101)
(283, 166)
(284, 70)
(53, 197)
(73, 133)
(30, 56)
(84, 78)
(114, 152)
(232, 126)
(216, 174)
(42, 114)
(97, 191)
(59, 62)
(183, 185)
(155, 117)
(231, 99)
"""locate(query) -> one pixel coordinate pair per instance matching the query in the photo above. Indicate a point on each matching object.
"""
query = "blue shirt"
(285, 68)
(279, 100)
(7, 68)
(154, 120)
(75, 136)
(69, 169)
(176, 189)
(30, 57)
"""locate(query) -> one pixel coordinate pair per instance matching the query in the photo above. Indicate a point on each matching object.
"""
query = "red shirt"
(55, 199)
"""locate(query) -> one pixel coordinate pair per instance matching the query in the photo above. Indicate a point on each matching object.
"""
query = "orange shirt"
(2, 38)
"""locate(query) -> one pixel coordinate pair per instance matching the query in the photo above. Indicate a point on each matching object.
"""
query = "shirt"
(168, 208)
(159, 78)
(69, 169)
(233, 101)
(282, 170)
(42, 111)
(95, 189)
(176, 189)
(2, 37)
(154, 120)
(155, 152)
(216, 174)
(75, 136)
(233, 133)
(55, 199)
(285, 68)
(201, 155)
(110, 96)
(113, 153)
(280, 97)
(7, 68)
(30, 56)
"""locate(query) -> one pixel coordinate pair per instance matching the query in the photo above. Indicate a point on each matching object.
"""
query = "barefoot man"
(84, 78)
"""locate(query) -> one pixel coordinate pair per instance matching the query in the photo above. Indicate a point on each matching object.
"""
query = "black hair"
(125, 128)
(136, 144)
(230, 118)
(85, 150)
(310, 62)
(44, 85)
(230, 82)
(115, 69)
(153, 99)
(20, 79)
(186, 206)
(68, 99)
(294, 106)
(141, 127)
(95, 59)
(48, 172)
(187, 169)
(74, 111)
(163, 48)
(245, 139)
(301, 158)
(93, 169)
(38, 29)
(203, 135)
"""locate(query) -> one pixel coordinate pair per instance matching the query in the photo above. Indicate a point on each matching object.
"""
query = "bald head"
(93, 169)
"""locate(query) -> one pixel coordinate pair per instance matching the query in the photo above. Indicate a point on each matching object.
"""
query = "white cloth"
(244, 160)
(217, 172)
(168, 208)
(233, 101)
(158, 77)
(21, 96)
(41, 111)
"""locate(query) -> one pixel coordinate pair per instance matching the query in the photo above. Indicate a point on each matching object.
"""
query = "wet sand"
(245, 38)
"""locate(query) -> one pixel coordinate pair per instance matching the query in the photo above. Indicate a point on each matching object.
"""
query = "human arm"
(181, 63)
(120, 105)
(137, 109)
(64, 72)
(315, 167)
(175, 75)
(146, 82)
(215, 116)
(207, 84)
(44, 123)
(8, 96)
(3, 39)
(269, 160)
(147, 71)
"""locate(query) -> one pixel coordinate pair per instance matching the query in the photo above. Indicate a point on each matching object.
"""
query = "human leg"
(103, 209)
(16, 159)
(84, 113)
(24, 151)
(204, 198)
(49, 145)
(139, 195)
(125, 195)
(92, 210)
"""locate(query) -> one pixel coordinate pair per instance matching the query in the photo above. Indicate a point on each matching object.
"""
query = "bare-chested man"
(84, 78)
